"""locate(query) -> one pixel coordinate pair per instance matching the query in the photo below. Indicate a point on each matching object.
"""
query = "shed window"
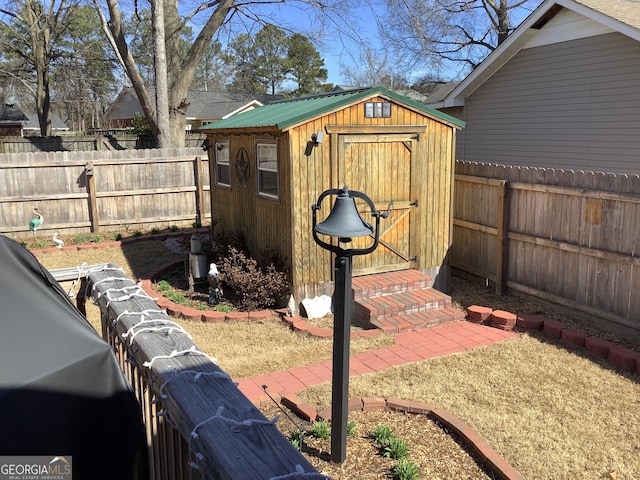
(223, 171)
(267, 158)
(377, 109)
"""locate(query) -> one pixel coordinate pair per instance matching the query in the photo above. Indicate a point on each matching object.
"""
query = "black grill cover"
(62, 392)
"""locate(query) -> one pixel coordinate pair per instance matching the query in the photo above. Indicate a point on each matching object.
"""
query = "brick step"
(367, 310)
(418, 320)
(381, 284)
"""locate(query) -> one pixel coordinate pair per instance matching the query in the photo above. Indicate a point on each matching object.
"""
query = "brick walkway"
(409, 347)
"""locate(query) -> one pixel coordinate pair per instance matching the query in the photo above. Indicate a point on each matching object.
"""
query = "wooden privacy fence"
(79, 192)
(199, 424)
(571, 238)
(87, 143)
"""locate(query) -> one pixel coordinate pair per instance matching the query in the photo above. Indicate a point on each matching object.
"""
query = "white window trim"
(259, 169)
(225, 145)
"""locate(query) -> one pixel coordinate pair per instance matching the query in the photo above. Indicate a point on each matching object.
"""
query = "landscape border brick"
(598, 345)
(553, 328)
(624, 358)
(573, 337)
(530, 322)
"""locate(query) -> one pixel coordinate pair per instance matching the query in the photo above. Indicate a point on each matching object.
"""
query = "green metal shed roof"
(286, 113)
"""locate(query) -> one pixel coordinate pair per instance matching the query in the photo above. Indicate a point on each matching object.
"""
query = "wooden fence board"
(143, 188)
(572, 237)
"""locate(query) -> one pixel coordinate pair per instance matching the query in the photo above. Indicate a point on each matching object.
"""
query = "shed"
(269, 165)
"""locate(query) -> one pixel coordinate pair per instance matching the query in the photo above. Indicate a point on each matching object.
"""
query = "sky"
(334, 47)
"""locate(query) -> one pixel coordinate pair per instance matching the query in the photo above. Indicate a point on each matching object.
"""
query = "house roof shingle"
(204, 105)
(625, 11)
(10, 114)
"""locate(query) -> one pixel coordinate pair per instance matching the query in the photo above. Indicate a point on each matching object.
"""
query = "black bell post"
(344, 222)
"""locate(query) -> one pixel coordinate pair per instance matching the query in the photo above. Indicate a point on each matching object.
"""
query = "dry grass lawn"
(551, 412)
(247, 349)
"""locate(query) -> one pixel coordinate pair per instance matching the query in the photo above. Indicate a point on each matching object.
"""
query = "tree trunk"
(180, 76)
(160, 60)
(39, 39)
(115, 27)
(503, 21)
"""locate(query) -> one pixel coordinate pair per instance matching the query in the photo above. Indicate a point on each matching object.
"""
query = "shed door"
(380, 166)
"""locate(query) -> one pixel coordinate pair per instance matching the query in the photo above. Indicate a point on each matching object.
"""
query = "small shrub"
(174, 228)
(382, 435)
(155, 231)
(117, 237)
(79, 239)
(163, 286)
(255, 288)
(296, 438)
(351, 428)
(224, 308)
(405, 470)
(396, 449)
(95, 238)
(176, 297)
(269, 256)
(38, 244)
(137, 233)
(321, 430)
(221, 240)
(139, 125)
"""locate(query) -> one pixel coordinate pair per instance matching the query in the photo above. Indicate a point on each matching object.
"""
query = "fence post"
(199, 189)
(91, 190)
(501, 235)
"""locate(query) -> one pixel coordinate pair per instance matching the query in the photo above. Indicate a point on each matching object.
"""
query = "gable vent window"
(377, 109)
(223, 170)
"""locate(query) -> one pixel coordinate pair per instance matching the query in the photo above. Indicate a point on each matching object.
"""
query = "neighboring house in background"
(32, 125)
(11, 119)
(440, 92)
(405, 92)
(205, 107)
(563, 91)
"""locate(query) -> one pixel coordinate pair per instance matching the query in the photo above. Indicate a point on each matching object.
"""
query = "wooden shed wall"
(265, 222)
(313, 268)
(437, 198)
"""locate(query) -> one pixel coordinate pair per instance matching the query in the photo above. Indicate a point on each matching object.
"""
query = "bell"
(344, 221)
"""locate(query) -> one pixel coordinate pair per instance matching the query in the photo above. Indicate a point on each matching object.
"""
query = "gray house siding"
(574, 104)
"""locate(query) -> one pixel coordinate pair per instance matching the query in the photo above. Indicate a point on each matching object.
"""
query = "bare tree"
(181, 67)
(33, 36)
(438, 35)
(373, 68)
